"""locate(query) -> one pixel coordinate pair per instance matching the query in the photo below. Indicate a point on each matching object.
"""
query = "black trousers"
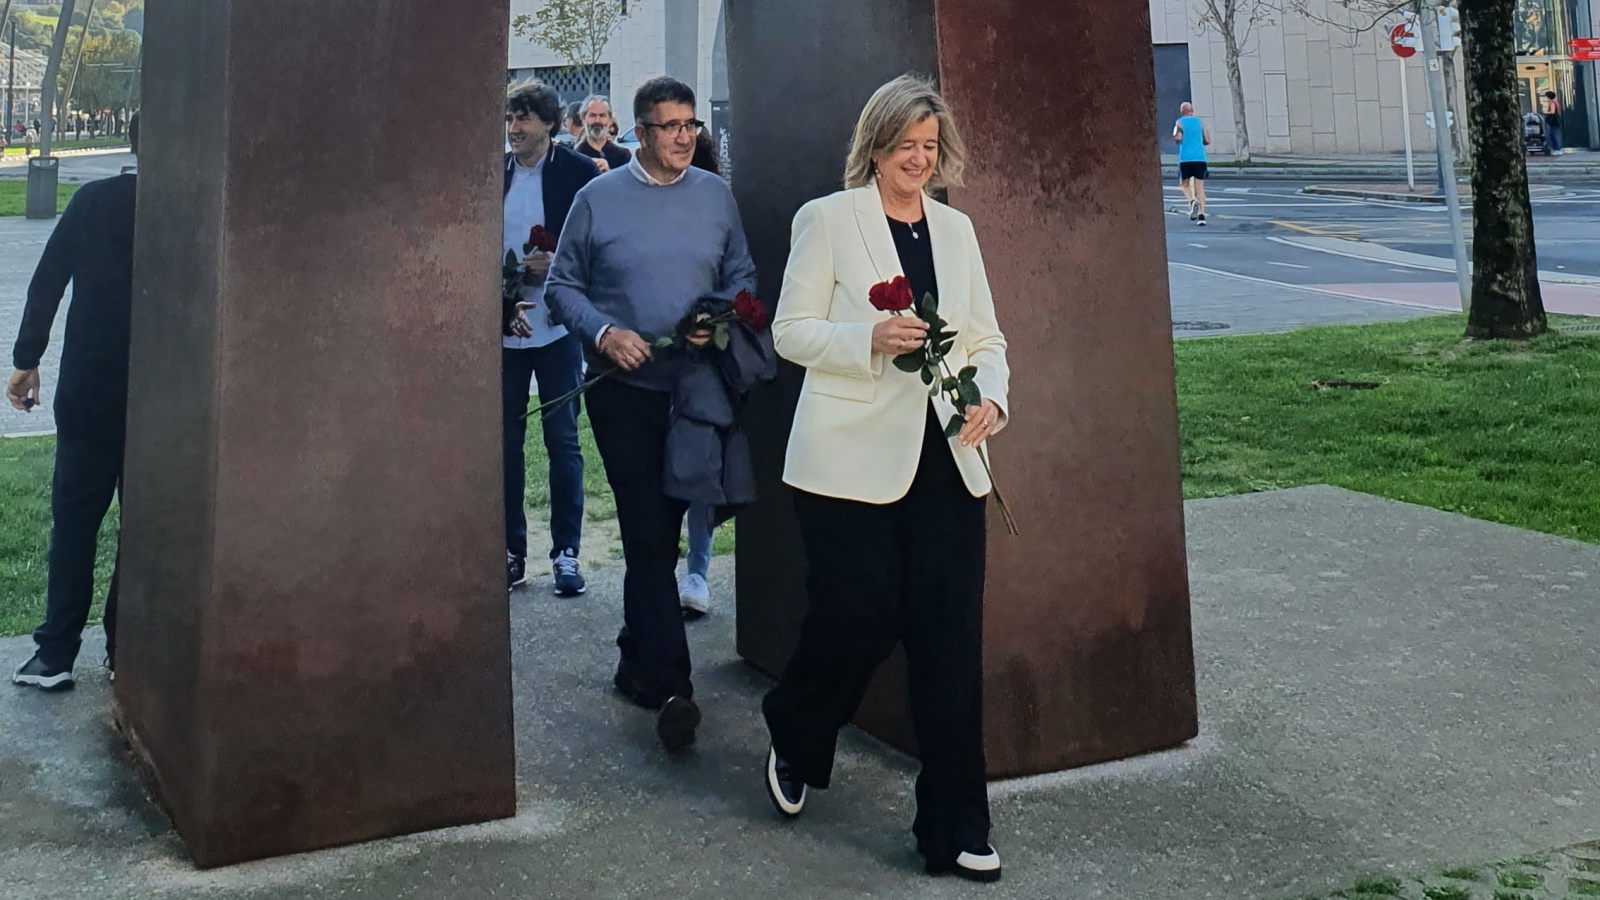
(909, 571)
(630, 429)
(88, 474)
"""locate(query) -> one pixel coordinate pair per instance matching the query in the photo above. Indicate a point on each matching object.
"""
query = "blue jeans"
(699, 522)
(558, 368)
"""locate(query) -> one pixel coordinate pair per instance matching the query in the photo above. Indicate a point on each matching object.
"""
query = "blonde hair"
(892, 111)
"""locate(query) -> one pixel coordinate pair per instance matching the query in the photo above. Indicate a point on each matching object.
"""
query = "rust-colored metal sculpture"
(1088, 650)
(315, 641)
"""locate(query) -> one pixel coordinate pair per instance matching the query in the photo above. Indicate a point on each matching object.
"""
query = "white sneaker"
(694, 595)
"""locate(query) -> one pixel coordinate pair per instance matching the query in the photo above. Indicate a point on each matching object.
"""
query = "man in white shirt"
(541, 180)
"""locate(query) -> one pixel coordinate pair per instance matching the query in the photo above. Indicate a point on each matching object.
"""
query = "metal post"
(1447, 153)
(43, 174)
(1405, 112)
(11, 84)
(72, 82)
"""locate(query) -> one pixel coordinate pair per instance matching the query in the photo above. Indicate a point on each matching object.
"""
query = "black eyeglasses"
(676, 129)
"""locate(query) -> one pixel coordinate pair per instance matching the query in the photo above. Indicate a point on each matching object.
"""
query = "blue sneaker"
(569, 581)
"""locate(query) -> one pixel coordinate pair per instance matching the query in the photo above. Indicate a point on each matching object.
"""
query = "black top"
(615, 156)
(916, 257)
(92, 249)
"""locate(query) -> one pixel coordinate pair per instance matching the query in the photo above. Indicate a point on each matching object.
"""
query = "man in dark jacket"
(541, 180)
(91, 248)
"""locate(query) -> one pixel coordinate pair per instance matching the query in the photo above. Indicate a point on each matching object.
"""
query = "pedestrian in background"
(1552, 123)
(91, 249)
(643, 245)
(571, 124)
(694, 591)
(541, 182)
(1192, 137)
(597, 143)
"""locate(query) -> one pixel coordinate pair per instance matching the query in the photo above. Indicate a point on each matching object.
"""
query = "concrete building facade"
(659, 37)
(1318, 85)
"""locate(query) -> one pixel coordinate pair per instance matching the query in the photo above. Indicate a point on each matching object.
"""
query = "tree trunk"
(1506, 302)
(1241, 126)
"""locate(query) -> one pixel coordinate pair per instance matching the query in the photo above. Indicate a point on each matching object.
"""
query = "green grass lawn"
(26, 464)
(1498, 431)
(14, 197)
(18, 148)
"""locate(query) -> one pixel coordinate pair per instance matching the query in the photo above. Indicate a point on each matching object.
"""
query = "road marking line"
(1286, 265)
(1201, 246)
(1314, 290)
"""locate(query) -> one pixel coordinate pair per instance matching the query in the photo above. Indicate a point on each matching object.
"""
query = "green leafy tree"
(108, 79)
(576, 30)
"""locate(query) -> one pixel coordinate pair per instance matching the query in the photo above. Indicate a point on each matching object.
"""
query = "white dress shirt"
(524, 208)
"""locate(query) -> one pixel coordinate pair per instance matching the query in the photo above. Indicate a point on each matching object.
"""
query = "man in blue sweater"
(641, 245)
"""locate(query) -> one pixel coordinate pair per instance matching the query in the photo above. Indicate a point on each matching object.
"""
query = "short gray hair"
(592, 99)
(888, 115)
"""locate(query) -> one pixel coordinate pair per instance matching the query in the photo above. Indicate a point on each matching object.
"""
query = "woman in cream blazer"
(891, 511)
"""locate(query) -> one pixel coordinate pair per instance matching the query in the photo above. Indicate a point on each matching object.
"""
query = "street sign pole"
(1447, 155)
(1405, 112)
(1403, 40)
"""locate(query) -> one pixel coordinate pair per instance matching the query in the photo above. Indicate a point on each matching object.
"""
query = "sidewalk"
(1384, 690)
(1576, 168)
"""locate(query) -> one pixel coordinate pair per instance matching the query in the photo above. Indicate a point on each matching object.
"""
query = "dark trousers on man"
(910, 571)
(630, 429)
(88, 475)
(558, 367)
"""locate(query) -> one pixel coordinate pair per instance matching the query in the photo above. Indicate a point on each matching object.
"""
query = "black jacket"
(564, 175)
(91, 248)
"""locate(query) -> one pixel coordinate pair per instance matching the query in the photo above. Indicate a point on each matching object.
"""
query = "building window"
(572, 83)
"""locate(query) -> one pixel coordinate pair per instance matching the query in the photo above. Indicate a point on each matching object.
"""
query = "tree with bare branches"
(1236, 22)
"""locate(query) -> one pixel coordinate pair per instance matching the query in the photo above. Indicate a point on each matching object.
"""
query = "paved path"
(1384, 689)
(21, 243)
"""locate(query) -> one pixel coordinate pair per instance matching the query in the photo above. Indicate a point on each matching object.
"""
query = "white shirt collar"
(640, 173)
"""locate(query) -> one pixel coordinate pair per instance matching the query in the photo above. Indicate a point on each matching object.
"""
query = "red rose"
(752, 311)
(892, 296)
(539, 239)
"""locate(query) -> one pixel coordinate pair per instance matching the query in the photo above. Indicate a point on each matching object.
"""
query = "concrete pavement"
(1384, 689)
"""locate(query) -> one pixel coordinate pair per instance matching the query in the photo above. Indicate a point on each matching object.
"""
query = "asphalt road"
(1247, 222)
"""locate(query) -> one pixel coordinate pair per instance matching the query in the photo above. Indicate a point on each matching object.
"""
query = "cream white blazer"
(858, 430)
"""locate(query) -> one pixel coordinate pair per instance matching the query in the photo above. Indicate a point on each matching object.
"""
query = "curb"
(1575, 175)
(1535, 191)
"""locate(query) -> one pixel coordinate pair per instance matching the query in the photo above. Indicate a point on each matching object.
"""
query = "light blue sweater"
(637, 256)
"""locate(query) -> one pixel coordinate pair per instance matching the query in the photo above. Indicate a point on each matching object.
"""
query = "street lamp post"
(43, 172)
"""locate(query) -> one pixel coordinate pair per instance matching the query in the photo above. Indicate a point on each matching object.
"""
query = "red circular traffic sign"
(1397, 38)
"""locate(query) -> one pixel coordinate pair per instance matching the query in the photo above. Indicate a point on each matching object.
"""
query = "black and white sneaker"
(1194, 209)
(35, 673)
(978, 864)
(569, 579)
(676, 723)
(787, 791)
(516, 573)
(1201, 220)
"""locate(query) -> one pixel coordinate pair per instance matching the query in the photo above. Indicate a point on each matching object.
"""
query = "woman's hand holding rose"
(898, 334)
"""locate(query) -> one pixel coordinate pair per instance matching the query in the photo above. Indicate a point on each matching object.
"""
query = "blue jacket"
(565, 173)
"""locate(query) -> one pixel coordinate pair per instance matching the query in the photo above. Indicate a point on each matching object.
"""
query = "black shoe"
(569, 581)
(34, 673)
(978, 864)
(111, 667)
(1201, 221)
(784, 787)
(676, 724)
(516, 573)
